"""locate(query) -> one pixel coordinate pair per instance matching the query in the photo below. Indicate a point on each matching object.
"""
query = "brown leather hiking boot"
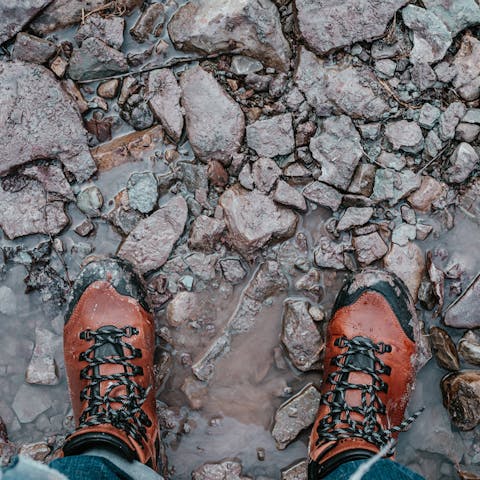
(109, 343)
(370, 367)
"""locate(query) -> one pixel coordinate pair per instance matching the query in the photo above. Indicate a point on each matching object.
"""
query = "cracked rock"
(295, 415)
(253, 219)
(163, 95)
(149, 244)
(369, 248)
(272, 137)
(251, 28)
(95, 59)
(354, 217)
(323, 194)
(31, 96)
(326, 24)
(405, 135)
(431, 38)
(339, 89)
(289, 196)
(338, 150)
(215, 123)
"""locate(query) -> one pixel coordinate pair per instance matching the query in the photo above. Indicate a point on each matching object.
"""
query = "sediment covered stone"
(14, 15)
(215, 123)
(108, 29)
(272, 137)
(31, 96)
(323, 195)
(95, 59)
(338, 89)
(253, 219)
(252, 28)
(408, 263)
(336, 147)
(326, 24)
(164, 100)
(149, 244)
(226, 469)
(369, 248)
(431, 37)
(463, 312)
(301, 336)
(296, 414)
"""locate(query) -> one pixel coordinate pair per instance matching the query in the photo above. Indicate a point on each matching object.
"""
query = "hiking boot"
(109, 343)
(369, 372)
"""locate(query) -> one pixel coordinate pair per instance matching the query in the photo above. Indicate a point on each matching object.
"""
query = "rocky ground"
(245, 155)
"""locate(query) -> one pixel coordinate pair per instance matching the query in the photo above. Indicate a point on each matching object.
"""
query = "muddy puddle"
(237, 410)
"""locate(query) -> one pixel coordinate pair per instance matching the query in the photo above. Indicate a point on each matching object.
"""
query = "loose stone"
(463, 161)
(337, 149)
(301, 336)
(215, 123)
(253, 27)
(149, 244)
(272, 137)
(265, 173)
(205, 233)
(444, 349)
(462, 313)
(429, 191)
(354, 217)
(295, 415)
(163, 95)
(95, 59)
(461, 397)
(323, 194)
(326, 25)
(90, 201)
(369, 248)
(142, 191)
(469, 347)
(29, 48)
(150, 22)
(408, 263)
(107, 29)
(339, 89)
(405, 135)
(289, 196)
(253, 219)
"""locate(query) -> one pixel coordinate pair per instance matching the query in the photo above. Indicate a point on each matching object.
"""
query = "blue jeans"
(98, 467)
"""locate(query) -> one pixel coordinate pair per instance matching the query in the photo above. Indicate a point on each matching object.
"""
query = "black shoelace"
(109, 348)
(360, 355)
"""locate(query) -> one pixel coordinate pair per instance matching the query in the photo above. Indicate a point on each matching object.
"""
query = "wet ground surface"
(295, 170)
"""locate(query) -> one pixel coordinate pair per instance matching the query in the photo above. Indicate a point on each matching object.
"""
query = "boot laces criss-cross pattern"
(361, 355)
(103, 408)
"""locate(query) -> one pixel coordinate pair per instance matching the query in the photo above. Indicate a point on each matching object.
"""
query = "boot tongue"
(111, 350)
(363, 361)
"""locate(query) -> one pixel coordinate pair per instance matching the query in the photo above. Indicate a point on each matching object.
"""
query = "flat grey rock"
(31, 96)
(329, 24)
(215, 122)
(341, 88)
(252, 27)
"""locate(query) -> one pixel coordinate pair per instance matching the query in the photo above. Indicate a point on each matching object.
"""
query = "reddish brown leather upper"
(370, 316)
(101, 305)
